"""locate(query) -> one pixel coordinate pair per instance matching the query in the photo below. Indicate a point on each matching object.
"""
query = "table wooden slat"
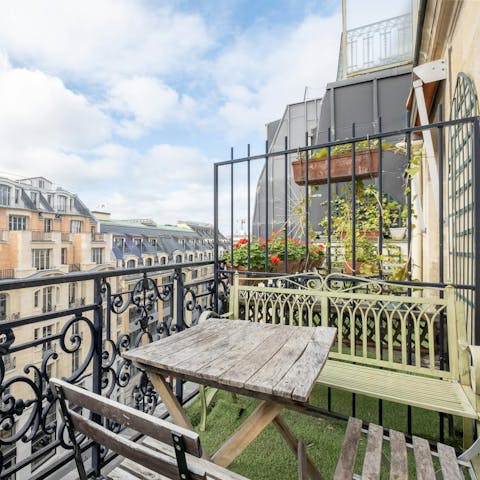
(398, 455)
(175, 342)
(299, 380)
(242, 371)
(241, 353)
(275, 369)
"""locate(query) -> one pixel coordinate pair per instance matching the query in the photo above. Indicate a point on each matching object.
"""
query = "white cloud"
(263, 72)
(99, 40)
(146, 103)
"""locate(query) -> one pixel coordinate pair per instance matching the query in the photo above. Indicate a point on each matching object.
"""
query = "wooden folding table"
(277, 364)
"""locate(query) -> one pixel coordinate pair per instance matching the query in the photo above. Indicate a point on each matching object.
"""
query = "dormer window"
(41, 183)
(4, 195)
(33, 197)
(62, 203)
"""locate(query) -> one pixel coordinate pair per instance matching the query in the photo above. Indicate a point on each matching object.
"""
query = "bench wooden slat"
(140, 421)
(423, 459)
(398, 456)
(448, 462)
(373, 455)
(132, 450)
(348, 454)
(139, 471)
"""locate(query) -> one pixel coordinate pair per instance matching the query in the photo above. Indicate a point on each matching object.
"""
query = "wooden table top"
(277, 361)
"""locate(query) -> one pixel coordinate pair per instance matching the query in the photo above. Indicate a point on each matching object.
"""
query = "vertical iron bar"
(329, 203)
(380, 196)
(307, 155)
(476, 225)
(180, 323)
(354, 242)
(441, 245)
(97, 365)
(266, 205)
(248, 207)
(409, 264)
(285, 252)
(231, 207)
(215, 238)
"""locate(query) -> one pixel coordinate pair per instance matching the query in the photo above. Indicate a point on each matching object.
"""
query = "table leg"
(170, 400)
(246, 433)
(293, 443)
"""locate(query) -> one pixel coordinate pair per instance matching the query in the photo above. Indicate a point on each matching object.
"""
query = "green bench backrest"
(396, 332)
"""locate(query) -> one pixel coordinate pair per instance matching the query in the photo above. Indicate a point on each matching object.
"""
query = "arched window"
(178, 259)
(163, 260)
(190, 258)
(201, 257)
(131, 264)
(148, 262)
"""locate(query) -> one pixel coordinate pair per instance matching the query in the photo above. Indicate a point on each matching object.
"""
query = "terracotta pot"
(369, 234)
(360, 268)
(293, 266)
(366, 166)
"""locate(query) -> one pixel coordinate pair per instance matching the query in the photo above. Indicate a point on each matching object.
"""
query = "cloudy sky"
(129, 102)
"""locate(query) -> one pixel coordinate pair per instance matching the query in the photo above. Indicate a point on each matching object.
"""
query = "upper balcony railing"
(41, 236)
(80, 341)
(379, 44)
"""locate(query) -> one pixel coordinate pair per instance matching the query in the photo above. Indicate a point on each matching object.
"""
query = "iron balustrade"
(277, 211)
(83, 342)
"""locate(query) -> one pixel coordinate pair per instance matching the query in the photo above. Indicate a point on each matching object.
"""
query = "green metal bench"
(388, 342)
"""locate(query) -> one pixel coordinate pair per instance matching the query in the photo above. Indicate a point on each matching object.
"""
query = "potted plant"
(299, 258)
(395, 218)
(366, 163)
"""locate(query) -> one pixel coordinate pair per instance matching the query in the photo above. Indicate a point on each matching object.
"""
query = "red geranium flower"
(243, 241)
(274, 259)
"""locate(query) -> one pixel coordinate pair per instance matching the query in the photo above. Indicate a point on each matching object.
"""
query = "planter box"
(360, 268)
(366, 166)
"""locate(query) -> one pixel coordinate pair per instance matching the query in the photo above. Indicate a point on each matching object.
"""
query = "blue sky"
(128, 103)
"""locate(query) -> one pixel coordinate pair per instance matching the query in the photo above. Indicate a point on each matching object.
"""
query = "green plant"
(346, 148)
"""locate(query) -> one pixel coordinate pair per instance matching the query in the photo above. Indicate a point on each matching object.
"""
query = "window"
(163, 260)
(17, 196)
(50, 199)
(64, 256)
(71, 204)
(178, 259)
(4, 195)
(41, 183)
(119, 242)
(47, 225)
(201, 256)
(36, 299)
(33, 196)
(42, 439)
(75, 360)
(47, 297)
(194, 274)
(190, 258)
(3, 306)
(71, 294)
(62, 203)
(153, 242)
(97, 255)
(148, 262)
(17, 222)
(76, 226)
(131, 264)
(138, 242)
(44, 332)
(41, 258)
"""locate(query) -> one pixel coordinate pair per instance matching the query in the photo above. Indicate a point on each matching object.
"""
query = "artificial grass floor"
(268, 456)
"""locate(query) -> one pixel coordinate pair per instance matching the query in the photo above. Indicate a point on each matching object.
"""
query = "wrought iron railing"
(379, 44)
(83, 341)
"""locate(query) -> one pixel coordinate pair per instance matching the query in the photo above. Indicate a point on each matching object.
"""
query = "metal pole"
(476, 204)
(215, 239)
(248, 206)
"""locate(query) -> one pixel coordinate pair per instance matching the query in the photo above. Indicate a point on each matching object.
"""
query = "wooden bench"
(387, 345)
(450, 467)
(171, 451)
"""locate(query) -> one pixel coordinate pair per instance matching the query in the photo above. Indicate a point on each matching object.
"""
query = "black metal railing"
(296, 211)
(81, 342)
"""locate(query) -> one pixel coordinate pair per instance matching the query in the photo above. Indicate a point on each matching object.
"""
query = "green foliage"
(346, 148)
